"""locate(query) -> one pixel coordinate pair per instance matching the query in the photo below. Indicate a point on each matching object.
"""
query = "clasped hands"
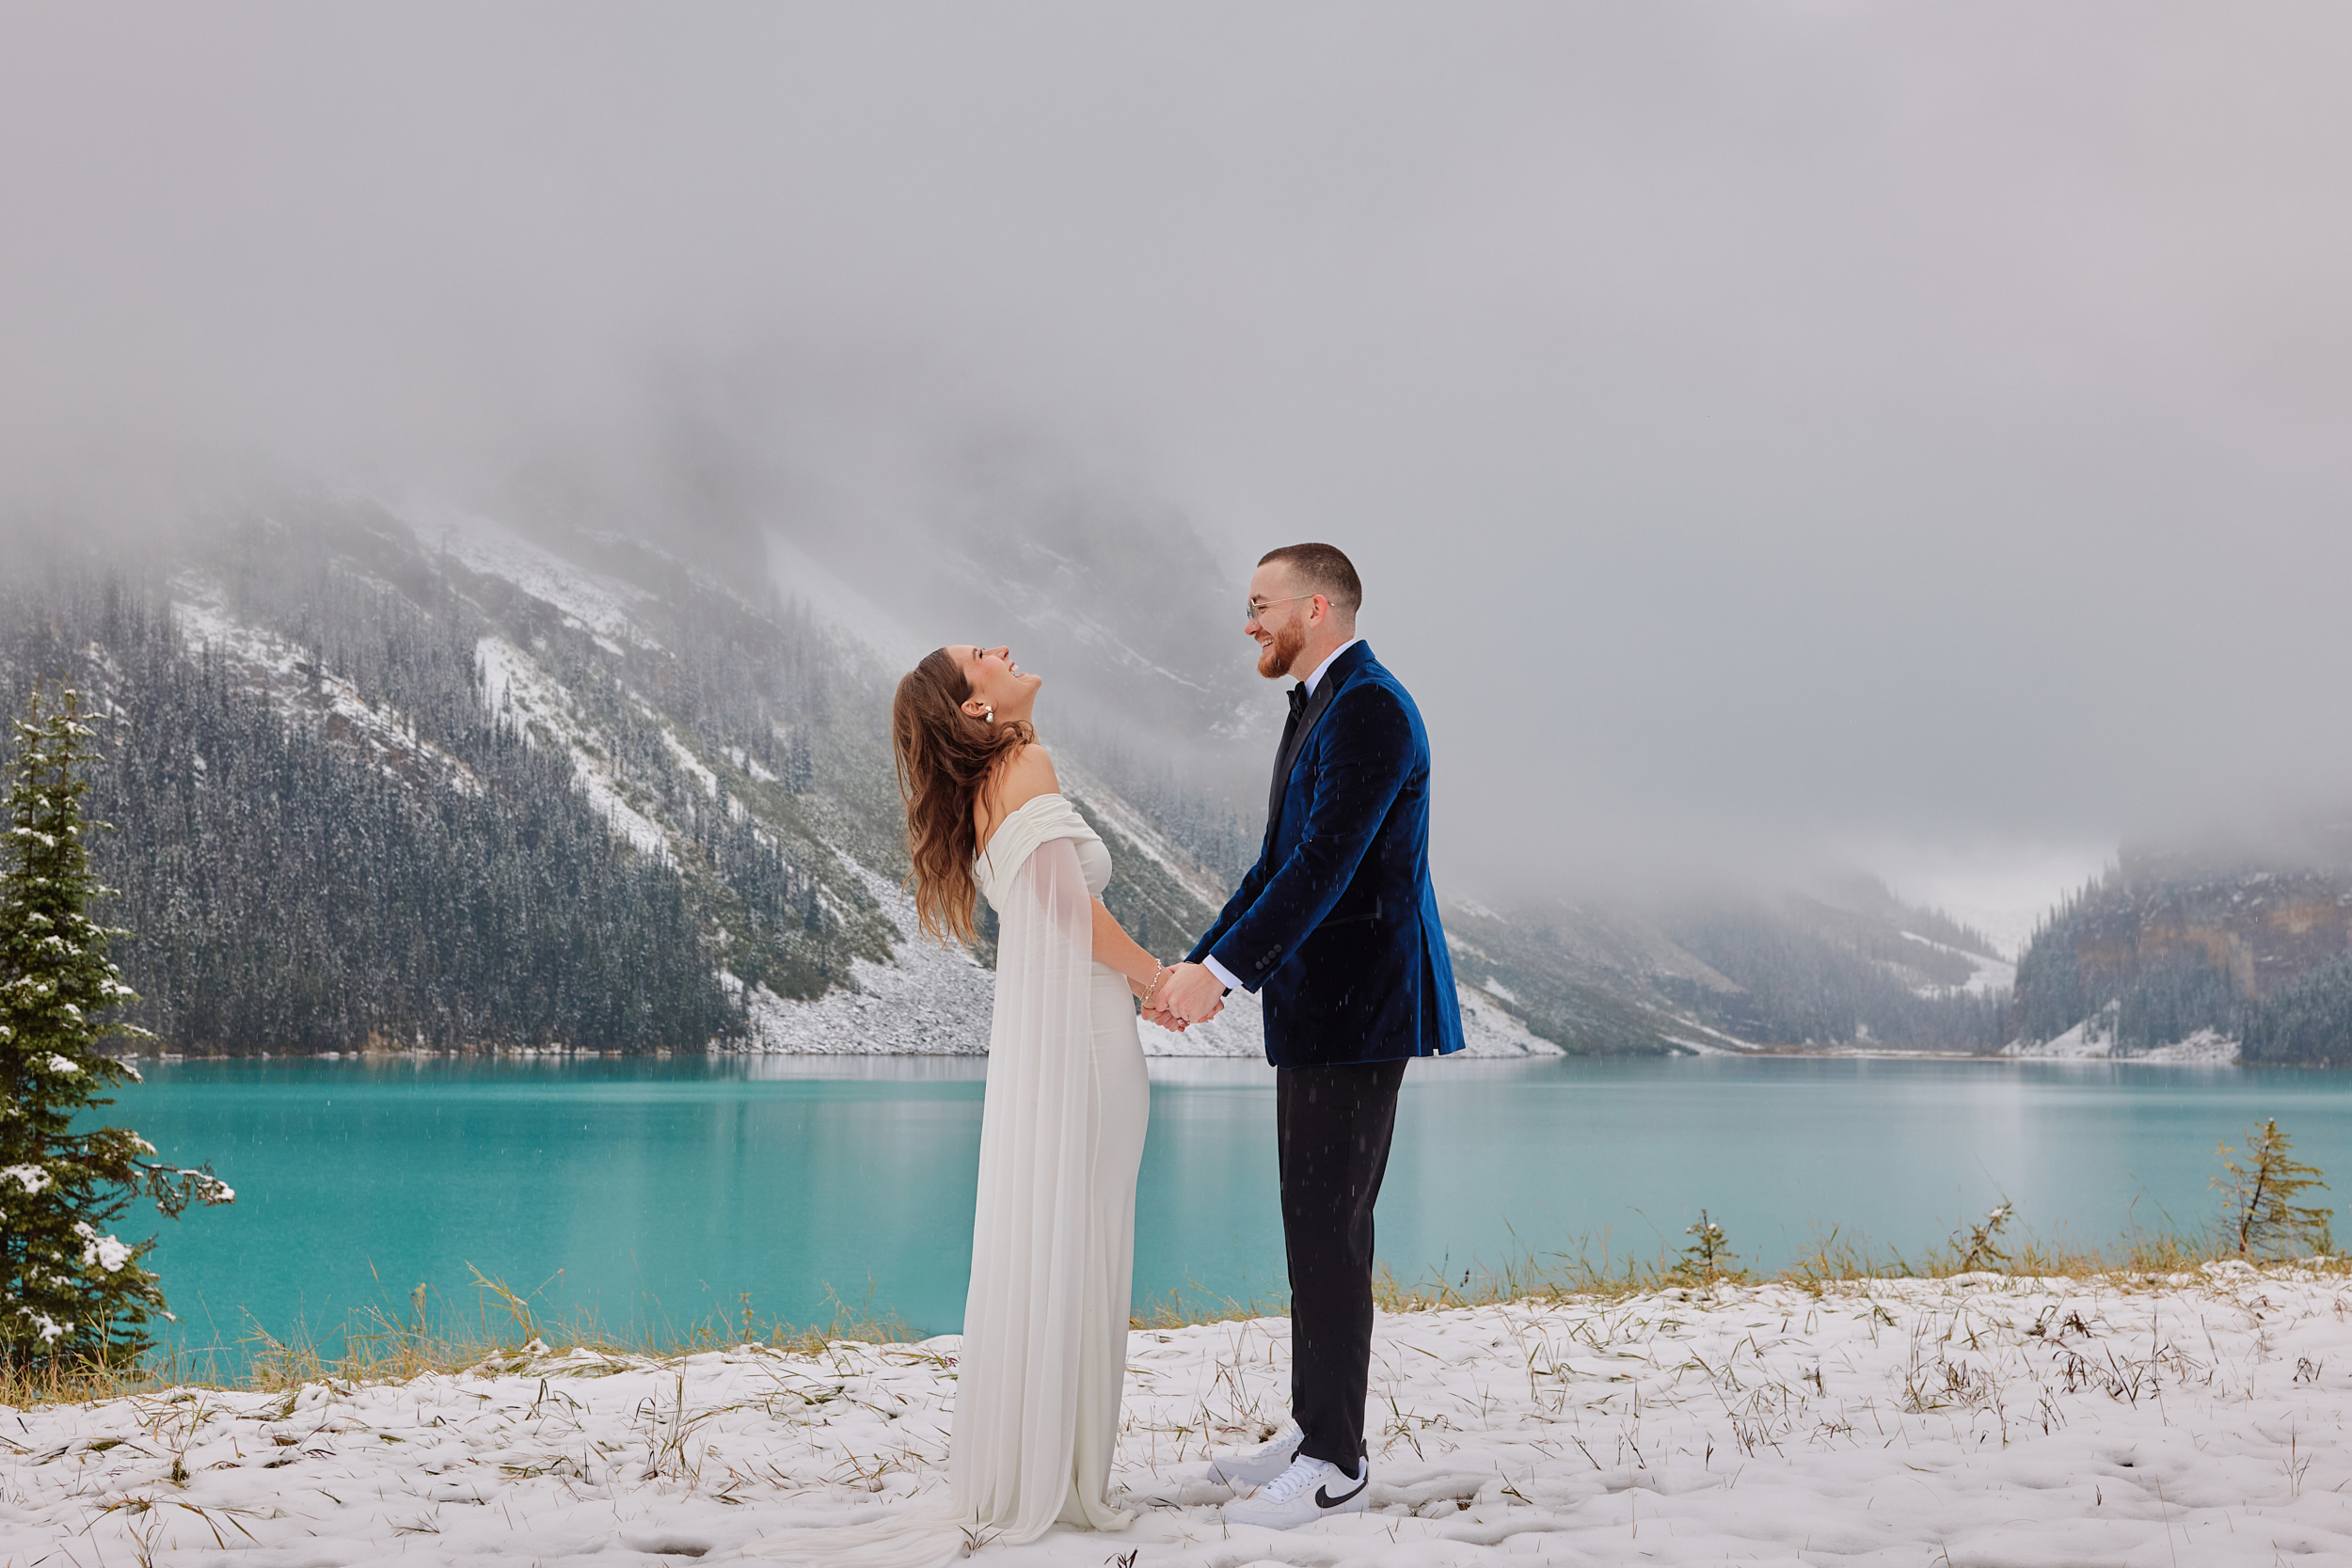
(1186, 994)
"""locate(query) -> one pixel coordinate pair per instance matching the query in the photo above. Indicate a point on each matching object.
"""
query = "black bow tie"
(1298, 699)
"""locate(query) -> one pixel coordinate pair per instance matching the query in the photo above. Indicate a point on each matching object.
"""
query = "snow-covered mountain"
(395, 775)
(919, 998)
(731, 740)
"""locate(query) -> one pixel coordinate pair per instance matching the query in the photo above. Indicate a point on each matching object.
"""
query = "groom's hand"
(1191, 993)
(1175, 1025)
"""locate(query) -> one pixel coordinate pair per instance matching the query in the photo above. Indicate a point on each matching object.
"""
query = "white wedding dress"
(1044, 1360)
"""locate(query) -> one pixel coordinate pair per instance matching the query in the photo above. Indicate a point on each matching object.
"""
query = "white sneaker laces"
(1303, 1473)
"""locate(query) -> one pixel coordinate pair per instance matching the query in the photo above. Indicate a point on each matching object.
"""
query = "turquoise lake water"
(654, 1194)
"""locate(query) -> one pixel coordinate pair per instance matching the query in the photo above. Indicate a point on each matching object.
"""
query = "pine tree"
(70, 1290)
(2262, 1216)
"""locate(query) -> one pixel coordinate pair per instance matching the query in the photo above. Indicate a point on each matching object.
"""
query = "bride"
(1040, 1376)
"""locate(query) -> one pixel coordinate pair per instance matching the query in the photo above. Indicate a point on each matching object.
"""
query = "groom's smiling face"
(1282, 626)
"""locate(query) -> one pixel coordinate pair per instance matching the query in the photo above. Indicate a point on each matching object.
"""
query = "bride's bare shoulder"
(1027, 774)
(1020, 779)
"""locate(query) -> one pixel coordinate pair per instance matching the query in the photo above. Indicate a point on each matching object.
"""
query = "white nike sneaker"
(1310, 1489)
(1248, 1468)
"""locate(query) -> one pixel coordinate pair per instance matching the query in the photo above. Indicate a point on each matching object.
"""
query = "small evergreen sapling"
(1708, 1259)
(70, 1290)
(2263, 1217)
(1982, 1250)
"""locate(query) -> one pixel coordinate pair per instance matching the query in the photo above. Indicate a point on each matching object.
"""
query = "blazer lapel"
(1292, 724)
(1325, 691)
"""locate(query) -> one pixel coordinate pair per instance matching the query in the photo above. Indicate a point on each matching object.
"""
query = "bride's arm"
(1027, 774)
(1115, 947)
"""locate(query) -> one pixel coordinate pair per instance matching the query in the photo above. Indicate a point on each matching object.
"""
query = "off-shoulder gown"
(1044, 1360)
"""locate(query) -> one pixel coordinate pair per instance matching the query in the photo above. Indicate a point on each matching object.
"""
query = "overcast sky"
(1919, 429)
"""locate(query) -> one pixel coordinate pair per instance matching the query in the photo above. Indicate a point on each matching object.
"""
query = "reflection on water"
(654, 1194)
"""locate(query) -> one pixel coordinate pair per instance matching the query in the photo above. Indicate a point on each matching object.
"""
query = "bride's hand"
(1144, 995)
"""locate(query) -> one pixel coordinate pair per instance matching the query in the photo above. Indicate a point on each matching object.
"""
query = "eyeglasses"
(1256, 608)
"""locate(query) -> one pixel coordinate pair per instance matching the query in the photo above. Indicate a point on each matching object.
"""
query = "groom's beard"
(1275, 658)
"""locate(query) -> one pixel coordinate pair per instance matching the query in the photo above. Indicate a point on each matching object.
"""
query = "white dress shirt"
(1224, 975)
(1316, 679)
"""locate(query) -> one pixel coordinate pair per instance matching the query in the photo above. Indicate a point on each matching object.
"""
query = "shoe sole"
(1353, 1505)
(1358, 1501)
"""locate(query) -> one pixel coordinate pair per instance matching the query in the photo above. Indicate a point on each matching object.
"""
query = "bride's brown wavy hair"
(945, 758)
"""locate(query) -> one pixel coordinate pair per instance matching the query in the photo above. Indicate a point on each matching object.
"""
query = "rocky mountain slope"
(2205, 952)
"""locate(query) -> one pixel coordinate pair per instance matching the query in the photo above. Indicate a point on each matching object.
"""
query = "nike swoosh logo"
(1324, 1499)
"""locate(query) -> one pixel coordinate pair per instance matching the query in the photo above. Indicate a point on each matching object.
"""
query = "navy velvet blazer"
(1336, 926)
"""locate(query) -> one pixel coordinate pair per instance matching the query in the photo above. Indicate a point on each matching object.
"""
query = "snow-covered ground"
(2093, 1039)
(1967, 1421)
(929, 1000)
(2206, 1046)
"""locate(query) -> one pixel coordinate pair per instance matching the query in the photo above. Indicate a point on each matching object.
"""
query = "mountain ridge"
(730, 739)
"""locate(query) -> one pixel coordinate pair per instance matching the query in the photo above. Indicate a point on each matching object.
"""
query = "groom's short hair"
(1323, 569)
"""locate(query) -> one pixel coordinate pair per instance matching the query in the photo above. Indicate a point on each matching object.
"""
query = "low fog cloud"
(1764, 430)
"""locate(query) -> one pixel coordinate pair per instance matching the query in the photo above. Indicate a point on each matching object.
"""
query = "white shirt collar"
(1316, 679)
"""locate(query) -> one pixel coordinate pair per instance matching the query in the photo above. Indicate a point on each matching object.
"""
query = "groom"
(1336, 928)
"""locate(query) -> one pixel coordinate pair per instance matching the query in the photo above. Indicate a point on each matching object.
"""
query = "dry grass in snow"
(2195, 1418)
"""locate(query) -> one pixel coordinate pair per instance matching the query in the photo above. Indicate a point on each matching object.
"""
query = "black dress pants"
(1332, 1130)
